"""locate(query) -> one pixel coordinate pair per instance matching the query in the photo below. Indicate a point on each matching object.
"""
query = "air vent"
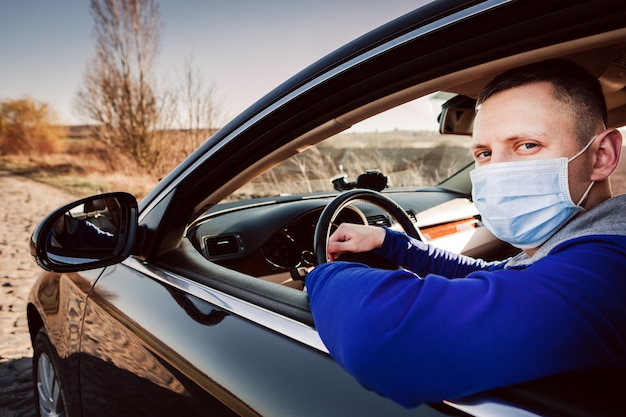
(620, 58)
(383, 220)
(219, 246)
(379, 220)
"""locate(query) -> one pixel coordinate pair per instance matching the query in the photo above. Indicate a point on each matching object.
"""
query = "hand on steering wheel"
(353, 238)
(332, 210)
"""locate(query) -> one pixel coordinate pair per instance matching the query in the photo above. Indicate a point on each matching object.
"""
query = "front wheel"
(48, 388)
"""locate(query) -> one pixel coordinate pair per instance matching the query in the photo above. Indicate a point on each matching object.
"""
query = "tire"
(48, 386)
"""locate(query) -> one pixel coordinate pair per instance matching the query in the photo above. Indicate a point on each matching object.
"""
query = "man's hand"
(354, 238)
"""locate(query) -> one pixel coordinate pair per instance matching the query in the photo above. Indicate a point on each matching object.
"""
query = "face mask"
(525, 202)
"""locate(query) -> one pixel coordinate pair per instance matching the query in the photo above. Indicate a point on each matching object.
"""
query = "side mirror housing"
(89, 233)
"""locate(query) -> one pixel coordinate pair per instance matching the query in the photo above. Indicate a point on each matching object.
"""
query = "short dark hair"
(573, 85)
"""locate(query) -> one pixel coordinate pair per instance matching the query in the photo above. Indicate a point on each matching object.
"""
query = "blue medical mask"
(525, 202)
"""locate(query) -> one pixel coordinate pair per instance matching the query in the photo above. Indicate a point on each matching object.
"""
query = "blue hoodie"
(448, 325)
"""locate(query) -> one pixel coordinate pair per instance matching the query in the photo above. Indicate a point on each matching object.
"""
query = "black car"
(191, 302)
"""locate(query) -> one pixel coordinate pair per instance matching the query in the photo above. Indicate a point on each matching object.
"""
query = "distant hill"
(78, 131)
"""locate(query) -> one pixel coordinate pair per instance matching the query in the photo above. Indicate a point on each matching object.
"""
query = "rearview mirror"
(457, 116)
(89, 233)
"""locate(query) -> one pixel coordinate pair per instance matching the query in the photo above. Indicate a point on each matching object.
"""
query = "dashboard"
(272, 238)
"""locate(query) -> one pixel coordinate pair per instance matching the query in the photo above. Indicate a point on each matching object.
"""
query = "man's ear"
(608, 150)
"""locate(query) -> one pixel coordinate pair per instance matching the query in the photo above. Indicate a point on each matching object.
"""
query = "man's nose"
(499, 156)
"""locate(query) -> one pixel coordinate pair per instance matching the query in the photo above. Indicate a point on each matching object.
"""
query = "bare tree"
(200, 110)
(119, 91)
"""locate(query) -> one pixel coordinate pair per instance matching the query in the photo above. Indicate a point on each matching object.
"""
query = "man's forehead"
(524, 112)
(512, 137)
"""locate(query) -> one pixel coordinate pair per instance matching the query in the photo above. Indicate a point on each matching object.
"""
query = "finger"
(334, 250)
(338, 237)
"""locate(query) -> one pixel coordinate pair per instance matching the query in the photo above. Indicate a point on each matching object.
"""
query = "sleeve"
(424, 259)
(427, 339)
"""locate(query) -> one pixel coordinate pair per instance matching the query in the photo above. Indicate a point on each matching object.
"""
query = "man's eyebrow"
(475, 146)
(533, 136)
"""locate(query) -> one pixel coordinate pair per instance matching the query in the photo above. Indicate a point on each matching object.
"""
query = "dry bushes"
(85, 168)
(28, 127)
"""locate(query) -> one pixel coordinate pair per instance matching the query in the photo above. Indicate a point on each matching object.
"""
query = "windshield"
(395, 143)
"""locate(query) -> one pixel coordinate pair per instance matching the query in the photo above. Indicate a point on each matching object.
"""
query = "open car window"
(402, 144)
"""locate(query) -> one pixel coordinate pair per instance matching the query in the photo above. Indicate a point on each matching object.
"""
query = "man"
(449, 325)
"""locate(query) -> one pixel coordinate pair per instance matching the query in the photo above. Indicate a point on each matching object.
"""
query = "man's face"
(525, 123)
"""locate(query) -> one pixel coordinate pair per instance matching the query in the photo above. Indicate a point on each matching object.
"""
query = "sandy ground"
(22, 204)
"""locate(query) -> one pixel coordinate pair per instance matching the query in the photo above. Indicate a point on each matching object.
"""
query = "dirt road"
(22, 204)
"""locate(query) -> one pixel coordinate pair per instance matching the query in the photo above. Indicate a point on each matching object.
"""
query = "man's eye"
(482, 155)
(527, 146)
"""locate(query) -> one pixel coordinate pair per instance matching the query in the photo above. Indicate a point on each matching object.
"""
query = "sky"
(244, 48)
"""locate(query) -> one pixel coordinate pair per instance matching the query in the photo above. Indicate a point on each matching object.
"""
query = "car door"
(155, 343)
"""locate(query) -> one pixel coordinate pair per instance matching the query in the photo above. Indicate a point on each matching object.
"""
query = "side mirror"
(89, 233)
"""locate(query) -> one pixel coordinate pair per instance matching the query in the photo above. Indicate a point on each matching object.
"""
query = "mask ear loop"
(583, 149)
(586, 193)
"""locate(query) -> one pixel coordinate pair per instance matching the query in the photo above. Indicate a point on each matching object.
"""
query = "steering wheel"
(332, 210)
